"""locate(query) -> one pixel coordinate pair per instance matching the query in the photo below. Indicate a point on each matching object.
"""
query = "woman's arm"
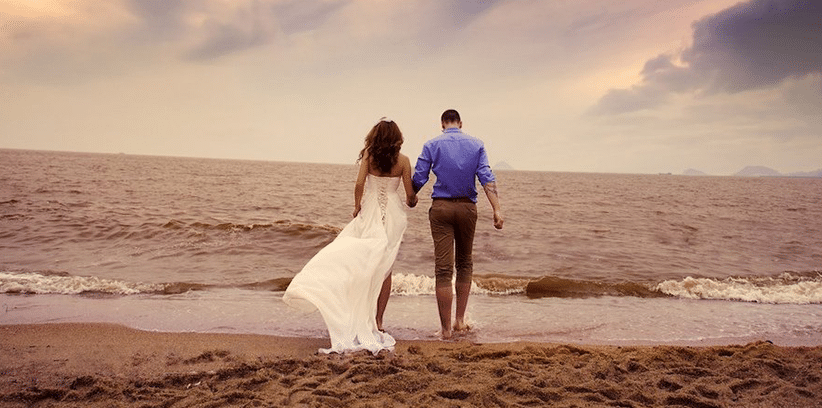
(410, 194)
(359, 186)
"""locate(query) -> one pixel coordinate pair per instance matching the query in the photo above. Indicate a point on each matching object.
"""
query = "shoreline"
(99, 364)
(616, 321)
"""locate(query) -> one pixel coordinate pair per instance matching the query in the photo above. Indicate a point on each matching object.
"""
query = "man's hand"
(498, 220)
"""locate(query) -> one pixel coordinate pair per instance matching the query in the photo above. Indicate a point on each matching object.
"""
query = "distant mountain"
(503, 166)
(758, 171)
(817, 173)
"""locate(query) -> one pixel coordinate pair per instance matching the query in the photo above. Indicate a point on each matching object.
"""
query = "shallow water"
(208, 245)
(603, 320)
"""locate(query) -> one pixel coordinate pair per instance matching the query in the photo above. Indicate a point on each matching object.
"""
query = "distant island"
(692, 172)
(817, 173)
(502, 166)
(759, 171)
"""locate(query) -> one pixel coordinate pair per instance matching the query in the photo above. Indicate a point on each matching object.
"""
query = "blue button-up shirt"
(456, 158)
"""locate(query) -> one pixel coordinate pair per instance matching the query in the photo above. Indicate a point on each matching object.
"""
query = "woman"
(349, 280)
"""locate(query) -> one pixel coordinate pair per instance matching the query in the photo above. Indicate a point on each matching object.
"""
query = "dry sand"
(98, 365)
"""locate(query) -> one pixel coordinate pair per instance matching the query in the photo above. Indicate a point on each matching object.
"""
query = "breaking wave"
(788, 288)
(61, 283)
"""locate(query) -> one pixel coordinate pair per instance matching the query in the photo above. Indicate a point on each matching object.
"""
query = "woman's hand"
(412, 201)
(356, 211)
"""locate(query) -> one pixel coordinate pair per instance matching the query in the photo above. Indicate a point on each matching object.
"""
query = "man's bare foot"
(460, 328)
(446, 335)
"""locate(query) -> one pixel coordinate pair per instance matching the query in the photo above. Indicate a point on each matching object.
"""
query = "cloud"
(161, 18)
(301, 15)
(755, 45)
(62, 43)
(204, 30)
(464, 11)
(233, 30)
(110, 37)
(241, 26)
(758, 44)
(95, 36)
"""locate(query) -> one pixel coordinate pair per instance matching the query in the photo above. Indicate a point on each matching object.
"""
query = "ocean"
(209, 245)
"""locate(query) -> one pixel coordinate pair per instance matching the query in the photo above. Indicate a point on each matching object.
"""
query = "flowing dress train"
(344, 279)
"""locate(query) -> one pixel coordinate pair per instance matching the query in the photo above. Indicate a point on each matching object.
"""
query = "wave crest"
(35, 283)
(551, 286)
(787, 288)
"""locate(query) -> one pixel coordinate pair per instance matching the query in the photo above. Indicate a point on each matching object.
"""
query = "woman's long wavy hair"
(383, 144)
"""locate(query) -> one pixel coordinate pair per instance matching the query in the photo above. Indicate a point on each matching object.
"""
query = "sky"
(631, 86)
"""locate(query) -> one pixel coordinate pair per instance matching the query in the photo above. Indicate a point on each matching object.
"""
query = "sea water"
(206, 245)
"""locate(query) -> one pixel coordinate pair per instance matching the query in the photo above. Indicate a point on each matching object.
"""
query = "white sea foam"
(785, 289)
(416, 285)
(69, 285)
(36, 283)
(411, 285)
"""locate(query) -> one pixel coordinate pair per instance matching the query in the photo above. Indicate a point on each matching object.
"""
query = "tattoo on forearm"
(491, 188)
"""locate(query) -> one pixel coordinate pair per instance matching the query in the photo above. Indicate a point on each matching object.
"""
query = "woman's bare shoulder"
(400, 166)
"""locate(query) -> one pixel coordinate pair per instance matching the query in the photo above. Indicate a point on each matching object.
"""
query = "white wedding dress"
(344, 279)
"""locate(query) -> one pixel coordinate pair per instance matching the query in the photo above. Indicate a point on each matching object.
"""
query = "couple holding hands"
(349, 280)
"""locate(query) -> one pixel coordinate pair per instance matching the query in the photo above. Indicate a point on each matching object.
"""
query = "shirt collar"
(452, 130)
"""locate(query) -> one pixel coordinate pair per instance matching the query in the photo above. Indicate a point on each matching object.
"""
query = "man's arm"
(410, 192)
(493, 197)
(422, 170)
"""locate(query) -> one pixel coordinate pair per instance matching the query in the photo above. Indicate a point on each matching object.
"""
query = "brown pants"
(453, 222)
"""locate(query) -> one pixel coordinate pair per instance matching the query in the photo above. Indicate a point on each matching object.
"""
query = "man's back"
(455, 158)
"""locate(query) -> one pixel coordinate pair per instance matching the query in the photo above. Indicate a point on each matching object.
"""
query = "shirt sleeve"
(422, 170)
(484, 173)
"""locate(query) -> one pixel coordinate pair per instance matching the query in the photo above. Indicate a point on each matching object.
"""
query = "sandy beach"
(101, 365)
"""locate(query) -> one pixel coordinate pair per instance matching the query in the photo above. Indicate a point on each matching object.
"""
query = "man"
(457, 160)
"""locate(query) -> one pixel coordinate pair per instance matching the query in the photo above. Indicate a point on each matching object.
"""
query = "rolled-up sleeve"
(484, 172)
(422, 170)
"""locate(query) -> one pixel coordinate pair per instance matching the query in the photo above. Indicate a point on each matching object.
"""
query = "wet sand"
(100, 365)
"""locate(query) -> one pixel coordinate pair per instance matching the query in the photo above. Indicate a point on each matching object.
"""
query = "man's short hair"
(450, 116)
